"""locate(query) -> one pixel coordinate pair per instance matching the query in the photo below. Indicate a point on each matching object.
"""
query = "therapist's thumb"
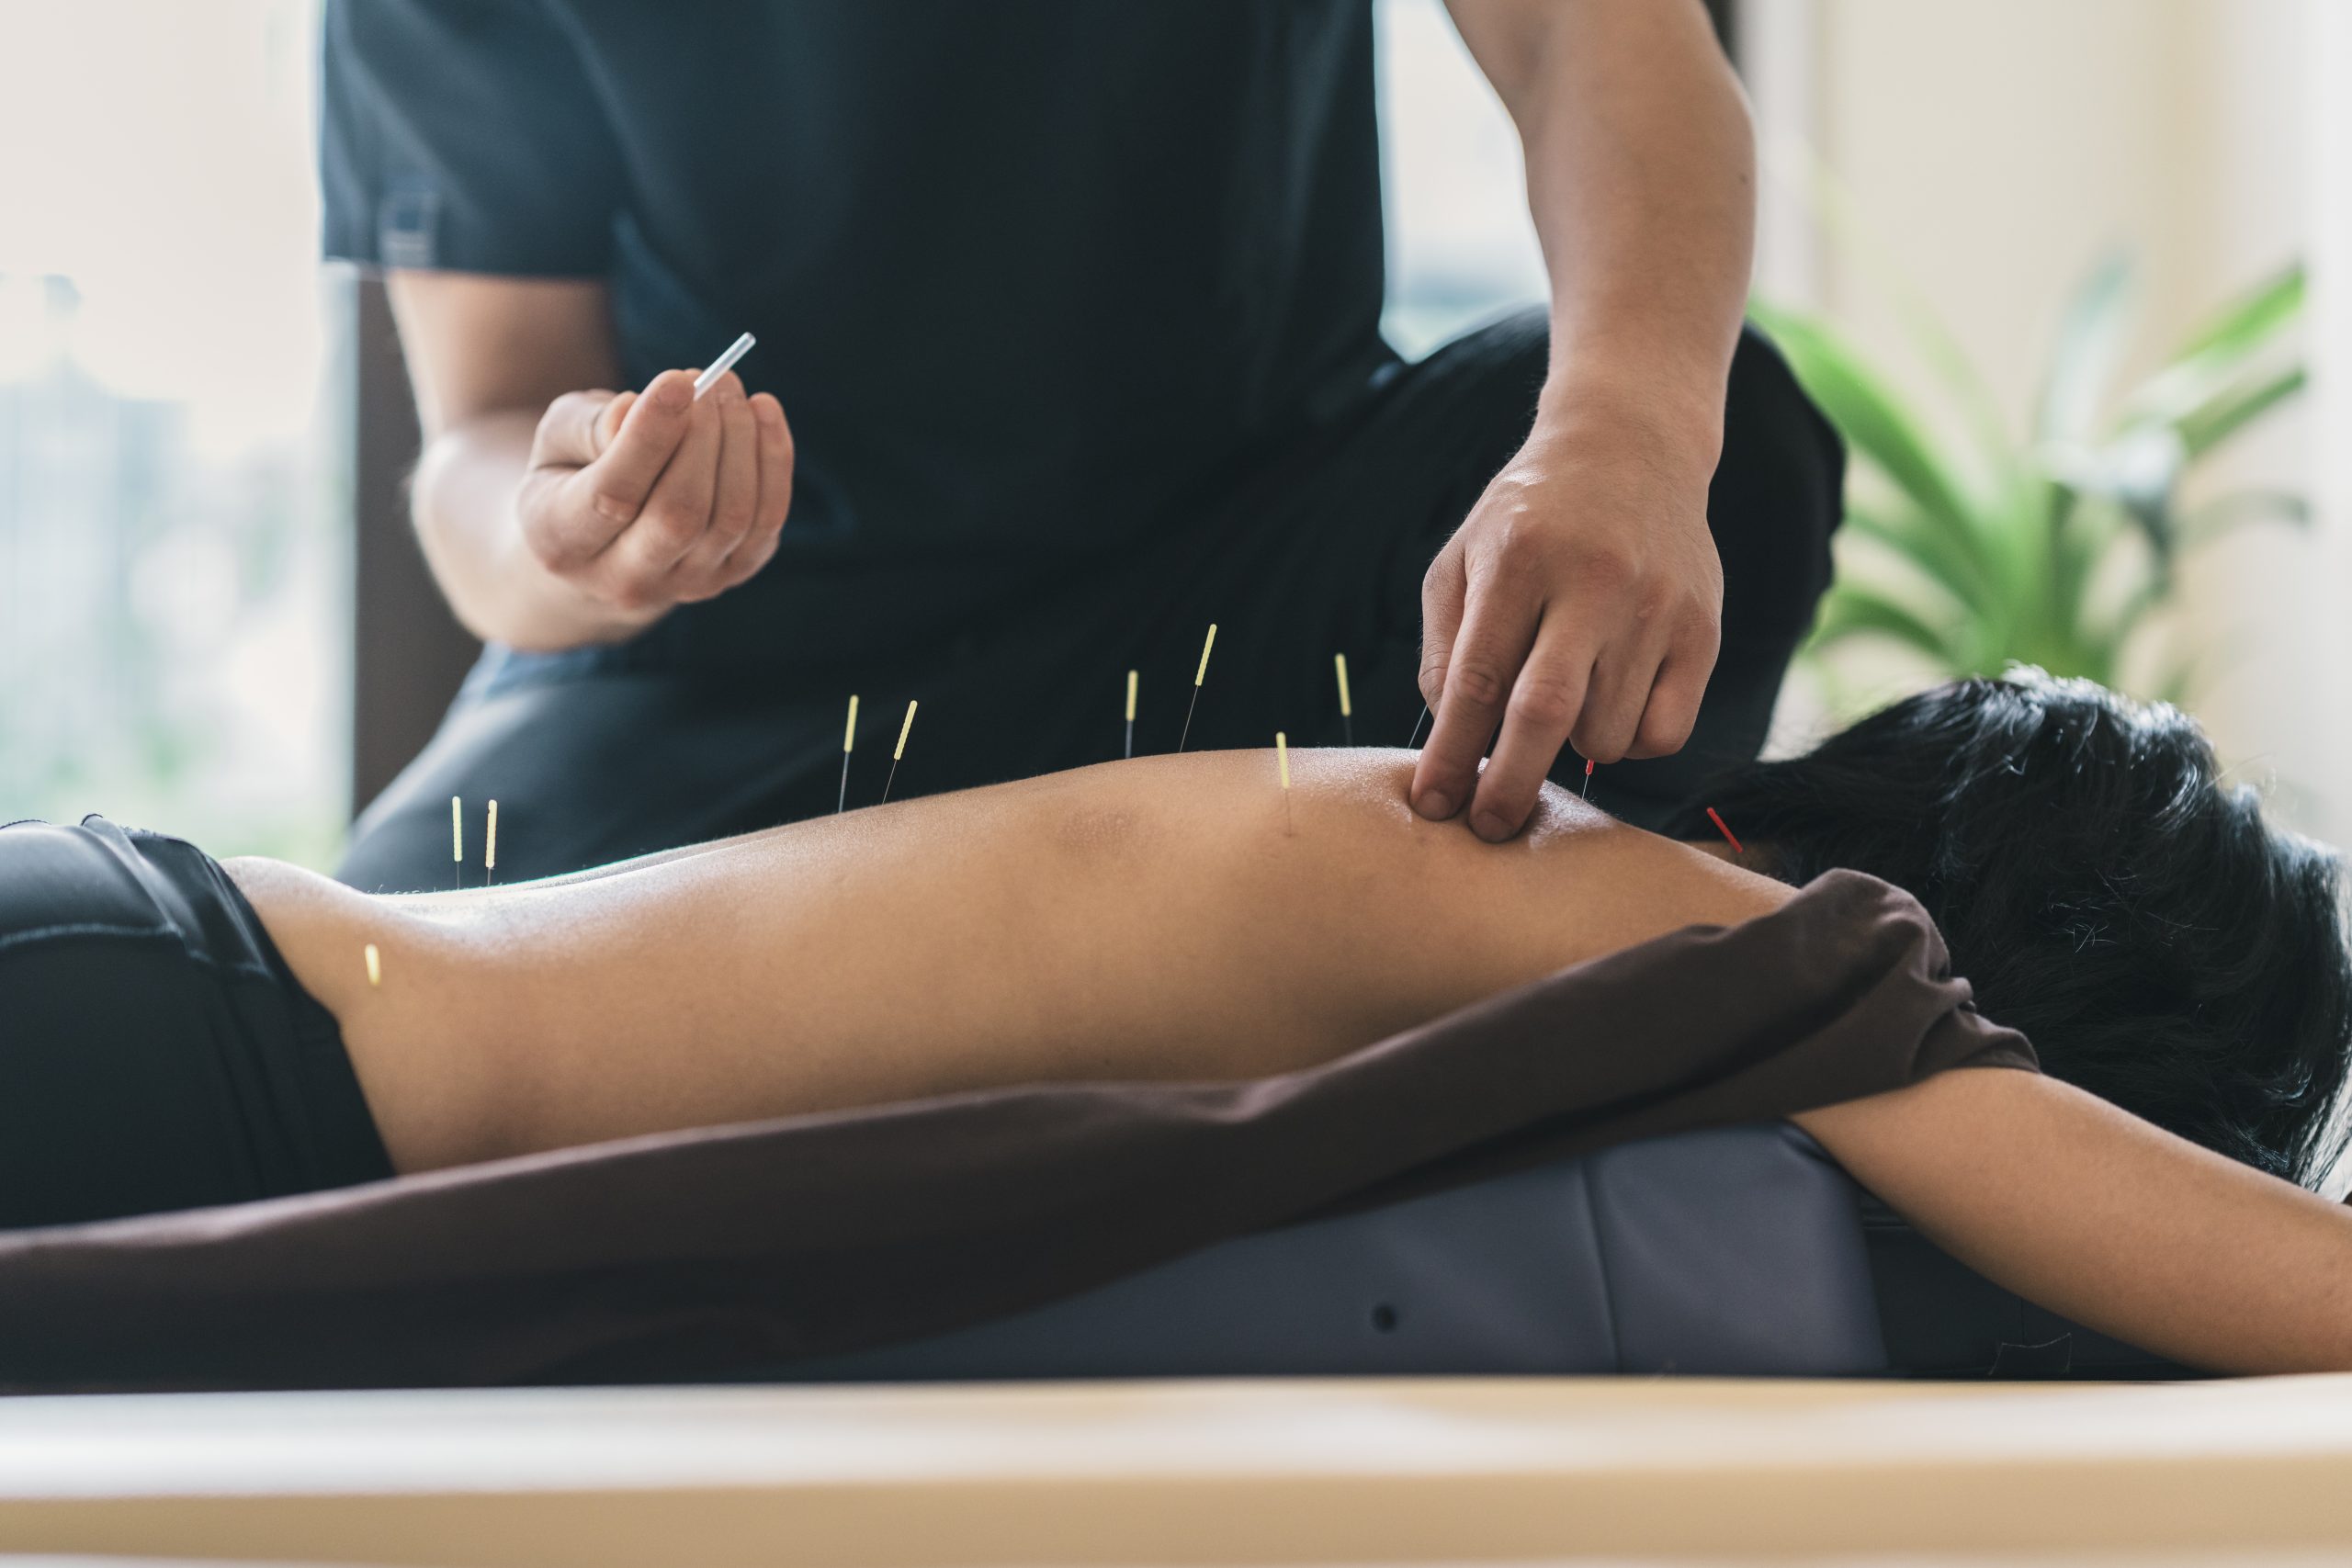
(576, 429)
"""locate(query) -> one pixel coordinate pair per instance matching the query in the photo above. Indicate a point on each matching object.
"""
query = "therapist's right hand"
(642, 501)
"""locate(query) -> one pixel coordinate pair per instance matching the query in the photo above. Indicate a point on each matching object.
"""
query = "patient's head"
(2103, 890)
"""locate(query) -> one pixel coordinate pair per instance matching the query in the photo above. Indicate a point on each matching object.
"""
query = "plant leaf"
(2217, 354)
(2252, 317)
(2230, 410)
(2225, 513)
(1853, 611)
(1867, 412)
(1942, 557)
(2083, 358)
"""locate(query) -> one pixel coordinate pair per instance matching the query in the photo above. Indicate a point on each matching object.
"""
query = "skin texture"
(1175, 918)
(1582, 598)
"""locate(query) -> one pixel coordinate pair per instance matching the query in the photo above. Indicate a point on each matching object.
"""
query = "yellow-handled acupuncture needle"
(900, 751)
(849, 741)
(1347, 709)
(1198, 676)
(1131, 714)
(1282, 766)
(375, 965)
(489, 848)
(458, 836)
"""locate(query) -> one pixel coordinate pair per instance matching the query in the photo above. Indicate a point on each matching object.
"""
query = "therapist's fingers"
(626, 469)
(566, 435)
(1623, 679)
(1672, 713)
(1498, 622)
(1442, 588)
(608, 424)
(1544, 701)
(634, 571)
(556, 523)
(775, 492)
(735, 500)
(595, 456)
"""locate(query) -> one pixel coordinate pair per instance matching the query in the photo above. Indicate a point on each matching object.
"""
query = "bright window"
(1461, 246)
(172, 608)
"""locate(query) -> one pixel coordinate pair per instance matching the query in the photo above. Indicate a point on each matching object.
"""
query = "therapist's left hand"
(1581, 600)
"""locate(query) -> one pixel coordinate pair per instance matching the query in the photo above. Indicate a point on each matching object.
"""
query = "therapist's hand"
(1581, 600)
(644, 501)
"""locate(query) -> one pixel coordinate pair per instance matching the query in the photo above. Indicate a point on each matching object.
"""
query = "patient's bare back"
(1170, 917)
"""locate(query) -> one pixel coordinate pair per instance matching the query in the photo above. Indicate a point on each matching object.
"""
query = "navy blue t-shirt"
(1031, 277)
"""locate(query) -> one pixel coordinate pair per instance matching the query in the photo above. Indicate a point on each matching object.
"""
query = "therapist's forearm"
(1641, 174)
(464, 499)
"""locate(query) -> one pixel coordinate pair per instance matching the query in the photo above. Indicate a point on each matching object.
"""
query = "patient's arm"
(1171, 918)
(2113, 1221)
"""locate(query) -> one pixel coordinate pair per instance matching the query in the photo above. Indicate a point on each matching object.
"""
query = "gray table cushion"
(1733, 1251)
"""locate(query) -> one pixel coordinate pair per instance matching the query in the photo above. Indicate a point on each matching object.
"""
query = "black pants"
(155, 1052)
(1317, 549)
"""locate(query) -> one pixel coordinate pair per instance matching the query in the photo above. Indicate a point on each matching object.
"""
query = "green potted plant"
(2055, 548)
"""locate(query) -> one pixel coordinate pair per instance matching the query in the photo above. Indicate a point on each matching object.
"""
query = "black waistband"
(155, 1052)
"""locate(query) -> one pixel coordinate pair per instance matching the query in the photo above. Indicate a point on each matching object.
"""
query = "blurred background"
(2072, 273)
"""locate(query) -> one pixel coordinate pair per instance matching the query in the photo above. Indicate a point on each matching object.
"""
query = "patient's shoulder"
(1575, 883)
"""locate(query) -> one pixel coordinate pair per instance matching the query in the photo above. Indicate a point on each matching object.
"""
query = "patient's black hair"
(2104, 891)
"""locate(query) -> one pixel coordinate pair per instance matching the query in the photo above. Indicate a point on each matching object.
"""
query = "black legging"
(155, 1053)
(1313, 549)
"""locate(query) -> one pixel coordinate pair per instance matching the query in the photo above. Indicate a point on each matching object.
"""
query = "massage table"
(1739, 1251)
(1744, 1251)
(1262, 1472)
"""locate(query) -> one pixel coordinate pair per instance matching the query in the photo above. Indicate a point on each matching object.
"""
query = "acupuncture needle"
(1282, 769)
(898, 751)
(1716, 817)
(1198, 676)
(849, 741)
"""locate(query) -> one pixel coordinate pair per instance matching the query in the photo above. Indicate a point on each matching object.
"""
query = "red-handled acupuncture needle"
(1716, 817)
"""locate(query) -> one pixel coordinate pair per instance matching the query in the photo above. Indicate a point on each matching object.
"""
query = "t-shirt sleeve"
(464, 135)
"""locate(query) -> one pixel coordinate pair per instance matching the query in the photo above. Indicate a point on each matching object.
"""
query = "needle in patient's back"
(849, 741)
(1347, 709)
(1198, 676)
(1281, 771)
(898, 751)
